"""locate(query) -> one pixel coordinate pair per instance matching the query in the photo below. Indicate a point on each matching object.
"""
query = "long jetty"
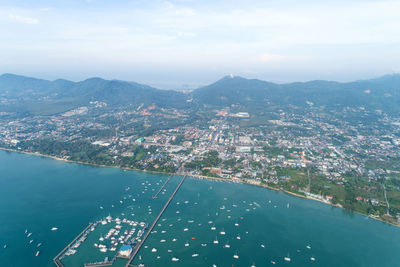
(56, 259)
(137, 248)
(162, 187)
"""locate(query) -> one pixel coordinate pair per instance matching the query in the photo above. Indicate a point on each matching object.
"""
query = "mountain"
(27, 94)
(380, 93)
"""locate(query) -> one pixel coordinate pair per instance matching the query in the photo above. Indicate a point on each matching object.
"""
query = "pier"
(139, 245)
(162, 187)
(56, 259)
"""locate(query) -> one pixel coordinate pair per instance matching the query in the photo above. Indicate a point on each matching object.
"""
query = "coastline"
(198, 177)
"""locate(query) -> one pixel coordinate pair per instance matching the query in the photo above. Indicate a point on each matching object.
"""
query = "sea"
(208, 223)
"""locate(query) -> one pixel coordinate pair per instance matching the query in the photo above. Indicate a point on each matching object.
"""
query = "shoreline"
(198, 177)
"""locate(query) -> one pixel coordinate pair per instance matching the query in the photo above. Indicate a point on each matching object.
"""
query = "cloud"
(23, 20)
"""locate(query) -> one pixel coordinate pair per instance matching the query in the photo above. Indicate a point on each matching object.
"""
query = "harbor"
(207, 222)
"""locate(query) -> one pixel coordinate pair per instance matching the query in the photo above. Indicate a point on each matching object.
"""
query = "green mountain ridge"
(24, 92)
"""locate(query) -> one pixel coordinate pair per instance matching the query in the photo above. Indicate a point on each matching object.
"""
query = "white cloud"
(22, 19)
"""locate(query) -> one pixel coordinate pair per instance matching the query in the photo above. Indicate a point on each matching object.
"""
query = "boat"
(29, 234)
(175, 259)
(5, 246)
(236, 224)
(227, 245)
(236, 256)
(262, 245)
(287, 205)
(273, 262)
(287, 259)
(216, 241)
(154, 250)
(54, 229)
(26, 231)
(103, 250)
(312, 258)
(203, 244)
(222, 232)
(213, 228)
(173, 240)
(30, 242)
(195, 255)
(186, 229)
(37, 253)
(162, 240)
(238, 237)
(308, 247)
(186, 244)
(38, 245)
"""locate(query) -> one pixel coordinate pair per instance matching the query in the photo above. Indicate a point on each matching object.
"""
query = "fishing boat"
(29, 234)
(175, 259)
(287, 259)
(186, 244)
(236, 256)
(195, 255)
(238, 237)
(154, 250)
(37, 253)
(308, 247)
(262, 245)
(312, 258)
(215, 241)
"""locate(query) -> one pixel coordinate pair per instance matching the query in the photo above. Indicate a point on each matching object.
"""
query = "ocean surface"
(207, 223)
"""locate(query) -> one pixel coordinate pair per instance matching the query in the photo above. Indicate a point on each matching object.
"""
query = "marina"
(269, 231)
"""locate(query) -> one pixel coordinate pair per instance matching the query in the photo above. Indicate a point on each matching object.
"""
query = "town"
(348, 158)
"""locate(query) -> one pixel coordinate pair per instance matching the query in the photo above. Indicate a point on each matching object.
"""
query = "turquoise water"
(40, 193)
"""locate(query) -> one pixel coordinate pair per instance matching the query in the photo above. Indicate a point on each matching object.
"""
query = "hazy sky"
(171, 43)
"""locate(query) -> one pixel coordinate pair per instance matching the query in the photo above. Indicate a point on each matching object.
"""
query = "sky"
(187, 43)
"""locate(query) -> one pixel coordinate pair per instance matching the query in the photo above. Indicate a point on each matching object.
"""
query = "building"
(125, 251)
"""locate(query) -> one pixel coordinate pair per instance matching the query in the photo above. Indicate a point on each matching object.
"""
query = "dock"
(56, 259)
(139, 245)
(162, 187)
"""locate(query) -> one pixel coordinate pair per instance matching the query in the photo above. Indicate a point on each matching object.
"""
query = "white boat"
(186, 229)
(195, 255)
(287, 259)
(236, 224)
(175, 259)
(174, 240)
(30, 242)
(38, 245)
(203, 245)
(186, 244)
(312, 258)
(222, 232)
(29, 234)
(37, 253)
(262, 245)
(162, 240)
(213, 228)
(287, 205)
(216, 241)
(103, 250)
(238, 237)
(236, 256)
(154, 250)
(227, 245)
(273, 262)
(308, 247)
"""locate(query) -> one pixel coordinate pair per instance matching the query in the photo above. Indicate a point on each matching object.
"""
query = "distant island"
(333, 142)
